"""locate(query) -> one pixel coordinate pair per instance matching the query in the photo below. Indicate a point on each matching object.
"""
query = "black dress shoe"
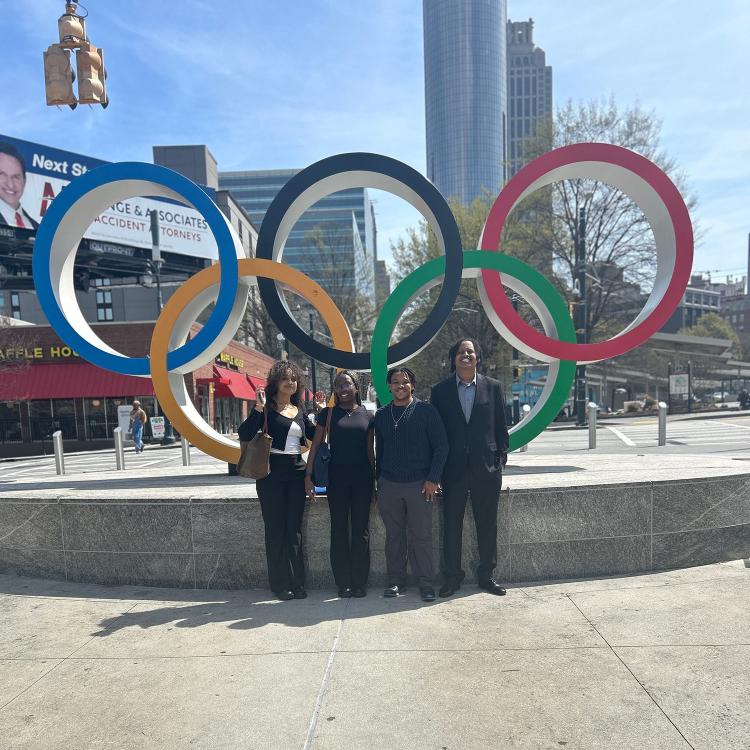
(299, 593)
(492, 586)
(285, 596)
(345, 593)
(392, 591)
(448, 589)
(359, 592)
(427, 593)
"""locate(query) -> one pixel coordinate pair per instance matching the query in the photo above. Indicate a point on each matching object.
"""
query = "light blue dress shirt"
(466, 395)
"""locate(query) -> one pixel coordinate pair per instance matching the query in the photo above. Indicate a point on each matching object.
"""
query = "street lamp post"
(314, 383)
(283, 346)
(156, 263)
(156, 260)
(581, 312)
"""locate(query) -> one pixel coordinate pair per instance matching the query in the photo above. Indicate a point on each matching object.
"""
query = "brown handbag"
(255, 454)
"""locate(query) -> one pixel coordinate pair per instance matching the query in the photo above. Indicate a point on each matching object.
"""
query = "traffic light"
(71, 27)
(516, 373)
(91, 75)
(59, 77)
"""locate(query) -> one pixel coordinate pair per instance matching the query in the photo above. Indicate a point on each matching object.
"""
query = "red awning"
(231, 384)
(77, 380)
(256, 382)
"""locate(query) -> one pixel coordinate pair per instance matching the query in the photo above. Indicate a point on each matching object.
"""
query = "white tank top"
(292, 447)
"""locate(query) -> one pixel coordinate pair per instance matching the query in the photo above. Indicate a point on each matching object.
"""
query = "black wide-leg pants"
(349, 497)
(282, 502)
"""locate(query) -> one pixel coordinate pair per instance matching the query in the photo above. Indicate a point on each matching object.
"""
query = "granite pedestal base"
(549, 532)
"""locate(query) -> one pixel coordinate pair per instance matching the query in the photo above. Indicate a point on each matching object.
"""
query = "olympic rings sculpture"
(227, 284)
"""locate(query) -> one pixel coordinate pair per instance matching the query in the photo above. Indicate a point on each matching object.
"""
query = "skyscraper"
(465, 95)
(341, 226)
(529, 90)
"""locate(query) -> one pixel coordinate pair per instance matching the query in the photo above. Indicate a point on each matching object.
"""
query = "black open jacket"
(278, 427)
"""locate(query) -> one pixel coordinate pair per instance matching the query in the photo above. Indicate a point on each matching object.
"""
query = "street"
(729, 436)
(98, 461)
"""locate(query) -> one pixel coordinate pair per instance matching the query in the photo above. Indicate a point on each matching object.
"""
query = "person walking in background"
(138, 419)
(350, 483)
(282, 492)
(411, 448)
(472, 410)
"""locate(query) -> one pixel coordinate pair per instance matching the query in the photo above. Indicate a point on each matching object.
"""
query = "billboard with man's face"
(32, 175)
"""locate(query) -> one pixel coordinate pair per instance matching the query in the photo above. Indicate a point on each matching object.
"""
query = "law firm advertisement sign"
(32, 175)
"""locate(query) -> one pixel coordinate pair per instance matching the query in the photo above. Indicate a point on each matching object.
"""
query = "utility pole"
(156, 260)
(314, 383)
(581, 313)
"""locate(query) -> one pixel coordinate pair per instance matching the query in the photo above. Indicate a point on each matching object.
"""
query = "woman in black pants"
(350, 483)
(282, 492)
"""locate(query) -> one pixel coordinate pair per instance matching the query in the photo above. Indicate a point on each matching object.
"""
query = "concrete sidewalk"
(652, 661)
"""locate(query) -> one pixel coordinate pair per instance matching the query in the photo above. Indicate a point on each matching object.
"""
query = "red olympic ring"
(669, 220)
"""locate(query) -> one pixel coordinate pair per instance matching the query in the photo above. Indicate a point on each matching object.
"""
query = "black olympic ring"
(339, 173)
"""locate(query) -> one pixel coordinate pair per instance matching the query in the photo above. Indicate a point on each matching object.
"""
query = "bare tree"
(341, 265)
(467, 317)
(620, 251)
(15, 343)
(339, 262)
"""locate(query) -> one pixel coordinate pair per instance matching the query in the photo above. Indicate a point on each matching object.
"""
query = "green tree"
(713, 326)
(467, 317)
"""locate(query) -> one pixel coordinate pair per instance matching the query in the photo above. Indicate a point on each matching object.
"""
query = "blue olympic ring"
(64, 206)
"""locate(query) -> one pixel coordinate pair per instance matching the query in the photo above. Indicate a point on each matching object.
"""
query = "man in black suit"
(12, 185)
(473, 411)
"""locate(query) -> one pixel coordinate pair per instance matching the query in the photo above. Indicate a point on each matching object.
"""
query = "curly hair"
(278, 369)
(355, 380)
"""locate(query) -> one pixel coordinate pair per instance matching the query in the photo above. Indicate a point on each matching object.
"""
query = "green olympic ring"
(532, 285)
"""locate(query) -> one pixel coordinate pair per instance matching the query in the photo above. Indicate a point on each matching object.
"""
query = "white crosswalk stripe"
(617, 433)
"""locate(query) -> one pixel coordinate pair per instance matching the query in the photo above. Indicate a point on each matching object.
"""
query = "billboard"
(23, 202)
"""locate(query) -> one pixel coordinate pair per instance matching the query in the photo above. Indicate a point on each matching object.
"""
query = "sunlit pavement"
(656, 661)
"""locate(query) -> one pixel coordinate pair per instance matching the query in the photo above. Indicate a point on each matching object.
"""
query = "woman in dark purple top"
(350, 483)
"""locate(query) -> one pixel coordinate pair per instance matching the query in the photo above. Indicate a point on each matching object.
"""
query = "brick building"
(45, 386)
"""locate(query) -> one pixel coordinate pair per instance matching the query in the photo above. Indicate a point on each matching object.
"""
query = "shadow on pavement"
(240, 610)
(260, 613)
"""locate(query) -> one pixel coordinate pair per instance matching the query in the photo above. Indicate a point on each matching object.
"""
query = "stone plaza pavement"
(654, 661)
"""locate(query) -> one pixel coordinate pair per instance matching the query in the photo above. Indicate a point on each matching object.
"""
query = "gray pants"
(408, 527)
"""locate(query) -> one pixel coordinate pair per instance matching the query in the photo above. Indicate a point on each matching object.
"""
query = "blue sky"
(273, 85)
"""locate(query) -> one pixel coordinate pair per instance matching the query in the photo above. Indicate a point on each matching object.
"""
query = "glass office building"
(529, 90)
(336, 237)
(465, 95)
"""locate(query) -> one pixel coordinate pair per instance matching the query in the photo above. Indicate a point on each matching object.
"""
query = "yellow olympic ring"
(170, 386)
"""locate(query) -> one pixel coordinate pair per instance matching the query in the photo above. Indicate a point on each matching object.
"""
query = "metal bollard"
(525, 409)
(119, 449)
(57, 444)
(185, 451)
(662, 423)
(592, 425)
